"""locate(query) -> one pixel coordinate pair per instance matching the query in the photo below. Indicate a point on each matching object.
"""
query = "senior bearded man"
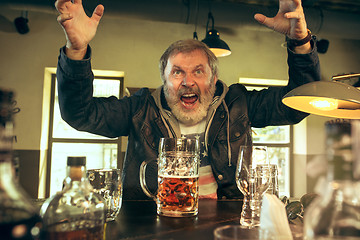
(192, 101)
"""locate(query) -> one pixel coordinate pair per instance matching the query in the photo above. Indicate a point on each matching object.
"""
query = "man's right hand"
(78, 27)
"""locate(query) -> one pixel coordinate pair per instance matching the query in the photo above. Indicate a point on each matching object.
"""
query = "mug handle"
(143, 180)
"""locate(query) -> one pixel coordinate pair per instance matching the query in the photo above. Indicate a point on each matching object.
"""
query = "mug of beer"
(178, 177)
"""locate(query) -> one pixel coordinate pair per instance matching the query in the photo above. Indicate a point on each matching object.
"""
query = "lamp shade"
(325, 98)
(216, 45)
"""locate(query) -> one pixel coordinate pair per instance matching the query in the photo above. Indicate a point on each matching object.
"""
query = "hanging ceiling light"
(327, 98)
(21, 23)
(195, 36)
(213, 41)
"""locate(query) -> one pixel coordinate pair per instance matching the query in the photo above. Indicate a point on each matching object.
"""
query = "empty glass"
(274, 181)
(107, 183)
(234, 232)
(252, 179)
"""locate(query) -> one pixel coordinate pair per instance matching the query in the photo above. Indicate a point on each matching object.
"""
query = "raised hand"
(289, 20)
(78, 27)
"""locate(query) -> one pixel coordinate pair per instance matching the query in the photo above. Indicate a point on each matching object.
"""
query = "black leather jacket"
(140, 118)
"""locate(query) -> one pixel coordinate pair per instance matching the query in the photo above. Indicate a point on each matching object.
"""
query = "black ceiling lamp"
(213, 41)
(21, 23)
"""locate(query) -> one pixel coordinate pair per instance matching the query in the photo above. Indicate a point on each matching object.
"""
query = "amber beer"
(178, 177)
(178, 196)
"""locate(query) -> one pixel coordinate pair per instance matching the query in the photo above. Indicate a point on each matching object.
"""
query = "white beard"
(190, 117)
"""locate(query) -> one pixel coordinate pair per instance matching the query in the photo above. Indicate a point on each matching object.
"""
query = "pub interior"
(131, 38)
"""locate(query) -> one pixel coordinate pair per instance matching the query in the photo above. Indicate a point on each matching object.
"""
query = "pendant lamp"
(327, 98)
(213, 41)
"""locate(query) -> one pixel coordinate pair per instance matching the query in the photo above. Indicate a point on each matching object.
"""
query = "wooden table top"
(139, 220)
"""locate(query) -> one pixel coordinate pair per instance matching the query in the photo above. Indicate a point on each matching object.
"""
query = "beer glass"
(253, 179)
(236, 232)
(107, 183)
(178, 177)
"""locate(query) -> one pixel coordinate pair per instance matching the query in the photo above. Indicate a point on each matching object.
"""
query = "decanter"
(76, 212)
(18, 217)
(336, 214)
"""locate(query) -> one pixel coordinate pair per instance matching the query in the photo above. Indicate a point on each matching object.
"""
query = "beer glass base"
(111, 215)
(110, 219)
(250, 214)
(177, 214)
(249, 223)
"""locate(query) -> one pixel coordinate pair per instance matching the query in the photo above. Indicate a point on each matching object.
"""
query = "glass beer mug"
(178, 177)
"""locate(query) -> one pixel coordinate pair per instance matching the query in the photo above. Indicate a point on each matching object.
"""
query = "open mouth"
(189, 99)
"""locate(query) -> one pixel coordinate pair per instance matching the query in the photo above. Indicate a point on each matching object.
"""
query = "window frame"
(52, 139)
(265, 83)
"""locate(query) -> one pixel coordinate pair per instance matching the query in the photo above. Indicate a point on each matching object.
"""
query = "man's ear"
(215, 79)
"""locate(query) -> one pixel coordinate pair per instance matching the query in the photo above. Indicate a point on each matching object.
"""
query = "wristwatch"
(291, 43)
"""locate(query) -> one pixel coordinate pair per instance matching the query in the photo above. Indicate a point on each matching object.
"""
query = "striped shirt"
(207, 182)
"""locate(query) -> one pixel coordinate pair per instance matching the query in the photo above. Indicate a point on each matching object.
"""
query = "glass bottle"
(18, 217)
(336, 214)
(76, 212)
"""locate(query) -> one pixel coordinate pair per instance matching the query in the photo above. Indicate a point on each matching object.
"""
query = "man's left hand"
(289, 20)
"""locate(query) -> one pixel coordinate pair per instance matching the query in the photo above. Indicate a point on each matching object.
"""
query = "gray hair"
(187, 46)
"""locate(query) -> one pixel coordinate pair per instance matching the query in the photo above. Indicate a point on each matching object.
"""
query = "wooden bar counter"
(139, 220)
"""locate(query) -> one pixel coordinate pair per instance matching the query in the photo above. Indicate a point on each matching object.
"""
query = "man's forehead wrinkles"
(176, 66)
(193, 67)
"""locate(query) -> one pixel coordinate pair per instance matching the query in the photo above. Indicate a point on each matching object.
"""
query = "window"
(278, 139)
(64, 141)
